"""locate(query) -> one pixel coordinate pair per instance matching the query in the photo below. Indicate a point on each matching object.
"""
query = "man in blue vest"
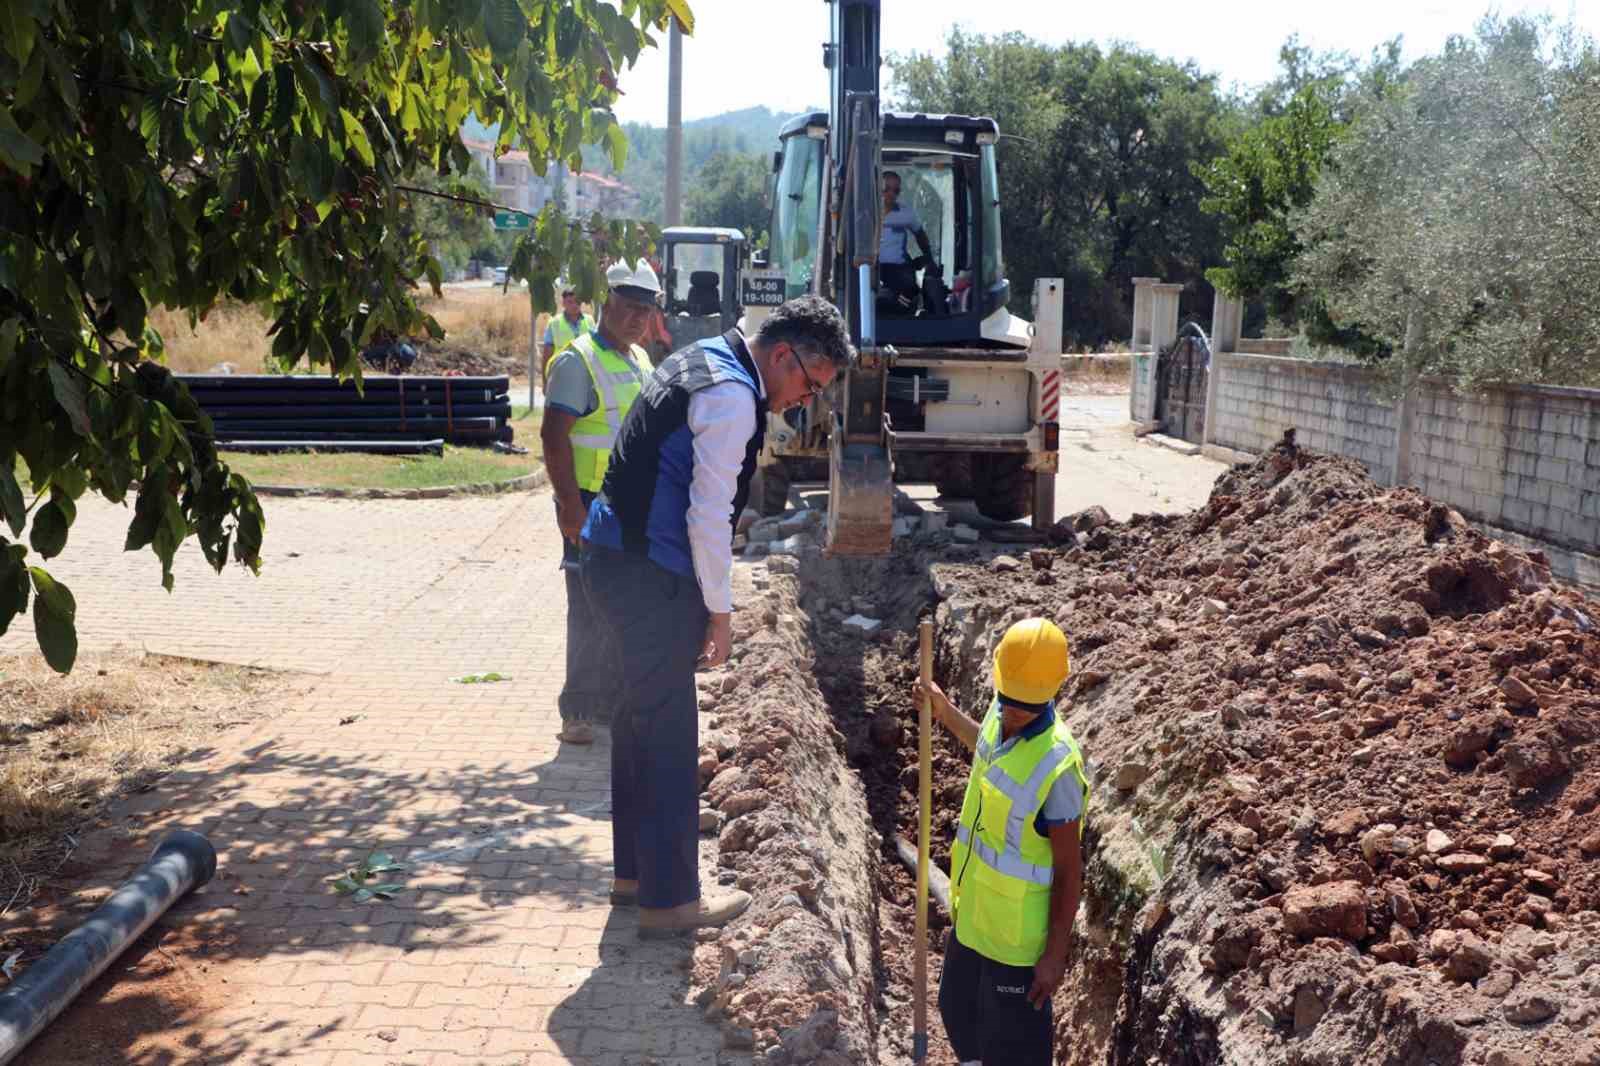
(1016, 870)
(593, 382)
(658, 560)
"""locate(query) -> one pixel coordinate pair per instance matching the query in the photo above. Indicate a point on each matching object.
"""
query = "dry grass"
(72, 744)
(484, 319)
(233, 333)
(477, 318)
(1097, 374)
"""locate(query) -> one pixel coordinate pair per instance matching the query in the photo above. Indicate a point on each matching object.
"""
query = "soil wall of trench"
(1344, 786)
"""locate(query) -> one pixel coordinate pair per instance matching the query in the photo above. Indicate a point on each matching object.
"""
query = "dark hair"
(813, 327)
(887, 174)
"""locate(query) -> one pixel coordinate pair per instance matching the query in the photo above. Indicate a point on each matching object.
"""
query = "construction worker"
(658, 562)
(561, 331)
(1016, 870)
(592, 384)
(897, 268)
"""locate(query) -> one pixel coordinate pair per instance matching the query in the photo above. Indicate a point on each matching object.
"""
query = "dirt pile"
(793, 978)
(1345, 769)
(1343, 754)
(446, 357)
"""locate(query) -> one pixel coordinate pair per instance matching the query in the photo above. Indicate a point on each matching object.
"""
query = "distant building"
(514, 184)
(597, 192)
(511, 177)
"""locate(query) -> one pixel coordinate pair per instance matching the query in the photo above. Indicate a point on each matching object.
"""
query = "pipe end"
(194, 847)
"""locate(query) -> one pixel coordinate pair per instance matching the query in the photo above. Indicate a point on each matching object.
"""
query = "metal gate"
(1182, 372)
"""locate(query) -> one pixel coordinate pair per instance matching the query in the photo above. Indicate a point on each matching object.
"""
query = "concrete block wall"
(1521, 460)
(1333, 408)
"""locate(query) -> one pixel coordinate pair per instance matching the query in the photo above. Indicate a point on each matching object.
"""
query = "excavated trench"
(1341, 749)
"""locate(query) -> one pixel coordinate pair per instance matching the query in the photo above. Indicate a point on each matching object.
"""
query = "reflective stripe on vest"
(1001, 868)
(617, 381)
(563, 333)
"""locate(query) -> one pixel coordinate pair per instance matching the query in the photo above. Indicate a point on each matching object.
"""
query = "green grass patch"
(458, 466)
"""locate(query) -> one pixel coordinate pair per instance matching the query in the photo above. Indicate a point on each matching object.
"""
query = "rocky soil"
(1344, 766)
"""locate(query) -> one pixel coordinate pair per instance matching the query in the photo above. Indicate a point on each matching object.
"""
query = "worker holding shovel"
(1016, 870)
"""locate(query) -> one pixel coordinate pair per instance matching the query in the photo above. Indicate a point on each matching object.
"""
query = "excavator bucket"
(860, 498)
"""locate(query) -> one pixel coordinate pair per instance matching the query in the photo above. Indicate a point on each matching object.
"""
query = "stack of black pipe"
(390, 414)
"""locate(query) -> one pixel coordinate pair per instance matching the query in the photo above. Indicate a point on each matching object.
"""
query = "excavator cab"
(701, 267)
(949, 386)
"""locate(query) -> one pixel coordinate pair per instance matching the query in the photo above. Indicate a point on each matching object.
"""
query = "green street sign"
(512, 220)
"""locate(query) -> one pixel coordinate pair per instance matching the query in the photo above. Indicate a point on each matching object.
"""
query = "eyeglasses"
(816, 390)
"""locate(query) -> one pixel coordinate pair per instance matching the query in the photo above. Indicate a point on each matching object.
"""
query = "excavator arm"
(860, 467)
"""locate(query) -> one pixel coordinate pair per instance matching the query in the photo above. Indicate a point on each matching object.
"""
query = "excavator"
(949, 386)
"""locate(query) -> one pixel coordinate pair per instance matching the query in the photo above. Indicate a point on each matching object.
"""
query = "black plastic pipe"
(342, 447)
(181, 862)
(371, 382)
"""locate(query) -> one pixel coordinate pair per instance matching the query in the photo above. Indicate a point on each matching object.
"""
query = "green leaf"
(617, 141)
(679, 9)
(69, 393)
(53, 612)
(505, 26)
(356, 138)
(17, 150)
(9, 331)
(14, 584)
(49, 533)
(17, 29)
(364, 20)
(11, 503)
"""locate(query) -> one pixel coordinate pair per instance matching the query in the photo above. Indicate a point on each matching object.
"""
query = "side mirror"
(777, 160)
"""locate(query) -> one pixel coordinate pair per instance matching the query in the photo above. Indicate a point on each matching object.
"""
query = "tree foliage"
(182, 152)
(1458, 220)
(1270, 170)
(730, 190)
(1095, 165)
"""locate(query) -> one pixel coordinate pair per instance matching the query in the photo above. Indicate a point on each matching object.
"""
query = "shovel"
(919, 973)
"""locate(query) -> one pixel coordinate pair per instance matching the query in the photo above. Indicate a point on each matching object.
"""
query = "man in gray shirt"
(896, 268)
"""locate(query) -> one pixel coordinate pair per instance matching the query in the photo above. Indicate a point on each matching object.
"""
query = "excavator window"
(684, 261)
(796, 202)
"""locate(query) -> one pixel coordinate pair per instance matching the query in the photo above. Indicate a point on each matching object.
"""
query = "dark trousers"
(985, 1009)
(593, 684)
(659, 623)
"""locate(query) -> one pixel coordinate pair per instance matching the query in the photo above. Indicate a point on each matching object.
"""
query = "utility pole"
(673, 208)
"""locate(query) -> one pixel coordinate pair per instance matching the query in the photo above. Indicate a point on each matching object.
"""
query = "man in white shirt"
(896, 268)
(657, 563)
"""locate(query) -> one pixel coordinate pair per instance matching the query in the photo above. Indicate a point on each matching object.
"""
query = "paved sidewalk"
(502, 949)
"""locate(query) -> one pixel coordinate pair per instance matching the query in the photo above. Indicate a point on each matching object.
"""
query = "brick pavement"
(502, 949)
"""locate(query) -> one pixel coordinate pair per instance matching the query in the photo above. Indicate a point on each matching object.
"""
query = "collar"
(594, 334)
(1045, 719)
(573, 321)
(761, 384)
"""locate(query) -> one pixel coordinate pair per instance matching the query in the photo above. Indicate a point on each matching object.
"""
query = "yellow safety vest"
(1000, 867)
(563, 333)
(617, 381)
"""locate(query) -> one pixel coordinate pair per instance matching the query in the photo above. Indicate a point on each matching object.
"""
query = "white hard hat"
(620, 275)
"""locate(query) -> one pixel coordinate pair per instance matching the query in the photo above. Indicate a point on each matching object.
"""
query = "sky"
(747, 53)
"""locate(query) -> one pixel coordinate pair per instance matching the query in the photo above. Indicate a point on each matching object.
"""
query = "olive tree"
(185, 152)
(1458, 220)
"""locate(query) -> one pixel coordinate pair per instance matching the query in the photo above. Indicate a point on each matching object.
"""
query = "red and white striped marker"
(1050, 396)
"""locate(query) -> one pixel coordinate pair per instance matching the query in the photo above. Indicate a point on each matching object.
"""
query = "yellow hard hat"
(1030, 663)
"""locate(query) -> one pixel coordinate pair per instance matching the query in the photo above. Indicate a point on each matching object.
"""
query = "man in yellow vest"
(591, 384)
(561, 331)
(1016, 870)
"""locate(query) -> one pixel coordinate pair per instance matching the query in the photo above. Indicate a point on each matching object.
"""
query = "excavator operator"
(897, 271)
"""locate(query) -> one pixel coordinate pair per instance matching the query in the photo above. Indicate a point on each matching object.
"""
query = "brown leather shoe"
(657, 922)
(576, 733)
(624, 892)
